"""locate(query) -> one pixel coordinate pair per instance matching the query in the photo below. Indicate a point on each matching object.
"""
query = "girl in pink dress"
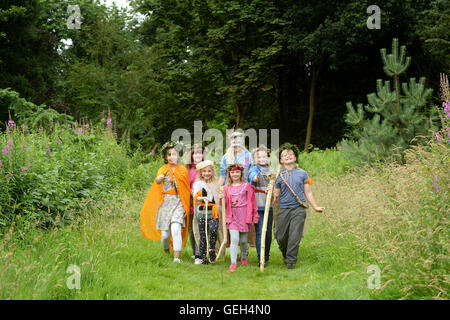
(241, 212)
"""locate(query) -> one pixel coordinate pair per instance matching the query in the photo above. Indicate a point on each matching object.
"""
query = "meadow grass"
(387, 216)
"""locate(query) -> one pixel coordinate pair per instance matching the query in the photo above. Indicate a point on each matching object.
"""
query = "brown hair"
(193, 148)
(228, 172)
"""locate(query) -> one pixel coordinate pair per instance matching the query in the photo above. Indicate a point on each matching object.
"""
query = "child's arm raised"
(310, 197)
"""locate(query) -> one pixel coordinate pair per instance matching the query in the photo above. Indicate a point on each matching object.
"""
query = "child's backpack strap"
(304, 204)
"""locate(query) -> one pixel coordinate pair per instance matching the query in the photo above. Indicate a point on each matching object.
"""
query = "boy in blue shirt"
(292, 189)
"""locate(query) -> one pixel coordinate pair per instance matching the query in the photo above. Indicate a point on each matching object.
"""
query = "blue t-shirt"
(296, 178)
(245, 159)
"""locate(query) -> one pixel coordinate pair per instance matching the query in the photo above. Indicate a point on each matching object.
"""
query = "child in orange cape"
(163, 215)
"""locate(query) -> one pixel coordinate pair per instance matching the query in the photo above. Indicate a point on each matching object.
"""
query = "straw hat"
(204, 164)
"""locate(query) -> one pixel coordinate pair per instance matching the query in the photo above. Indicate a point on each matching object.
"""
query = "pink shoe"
(232, 268)
(244, 262)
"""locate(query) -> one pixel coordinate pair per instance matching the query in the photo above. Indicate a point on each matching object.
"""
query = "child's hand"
(255, 179)
(269, 187)
(221, 194)
(160, 178)
(319, 209)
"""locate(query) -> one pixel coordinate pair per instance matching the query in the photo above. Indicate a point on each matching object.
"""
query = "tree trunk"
(311, 110)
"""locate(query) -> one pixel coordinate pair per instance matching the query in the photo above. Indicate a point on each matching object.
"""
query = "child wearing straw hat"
(241, 212)
(205, 191)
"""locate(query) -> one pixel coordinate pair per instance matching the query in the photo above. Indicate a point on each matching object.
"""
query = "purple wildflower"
(103, 115)
(24, 171)
(48, 150)
(11, 124)
(438, 137)
(10, 175)
(435, 184)
(10, 143)
(24, 147)
(69, 126)
(80, 130)
(109, 121)
(1, 163)
(6, 150)
(446, 106)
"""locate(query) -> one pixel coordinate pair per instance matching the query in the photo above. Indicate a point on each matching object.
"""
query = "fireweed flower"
(6, 150)
(48, 150)
(446, 106)
(10, 175)
(435, 184)
(80, 130)
(69, 126)
(11, 124)
(438, 137)
(109, 121)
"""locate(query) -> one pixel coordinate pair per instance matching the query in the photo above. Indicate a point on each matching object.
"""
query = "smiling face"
(207, 173)
(197, 156)
(288, 157)
(261, 158)
(172, 156)
(235, 175)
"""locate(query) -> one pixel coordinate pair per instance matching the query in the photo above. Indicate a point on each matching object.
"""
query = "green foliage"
(50, 175)
(397, 121)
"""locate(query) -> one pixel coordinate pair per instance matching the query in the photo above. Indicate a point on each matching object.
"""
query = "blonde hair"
(213, 177)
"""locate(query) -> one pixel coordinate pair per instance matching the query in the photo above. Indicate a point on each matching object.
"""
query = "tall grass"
(398, 220)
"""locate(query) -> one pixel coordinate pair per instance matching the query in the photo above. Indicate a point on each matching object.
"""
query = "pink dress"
(239, 209)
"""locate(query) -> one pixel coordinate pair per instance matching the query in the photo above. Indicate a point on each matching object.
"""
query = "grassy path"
(116, 262)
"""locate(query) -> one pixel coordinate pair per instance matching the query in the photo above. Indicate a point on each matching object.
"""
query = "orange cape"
(155, 198)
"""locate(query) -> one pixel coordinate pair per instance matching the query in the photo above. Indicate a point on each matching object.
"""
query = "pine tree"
(398, 121)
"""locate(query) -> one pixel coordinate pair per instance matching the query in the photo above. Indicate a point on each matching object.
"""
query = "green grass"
(118, 263)
(388, 216)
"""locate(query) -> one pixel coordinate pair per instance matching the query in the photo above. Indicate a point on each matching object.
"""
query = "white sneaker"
(198, 261)
(176, 260)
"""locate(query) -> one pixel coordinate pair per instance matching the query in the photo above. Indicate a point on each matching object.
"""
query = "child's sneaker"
(198, 261)
(244, 262)
(176, 260)
(232, 268)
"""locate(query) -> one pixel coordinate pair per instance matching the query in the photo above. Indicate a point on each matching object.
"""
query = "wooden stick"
(262, 250)
(206, 230)
(223, 247)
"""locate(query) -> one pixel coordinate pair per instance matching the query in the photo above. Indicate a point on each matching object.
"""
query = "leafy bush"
(50, 175)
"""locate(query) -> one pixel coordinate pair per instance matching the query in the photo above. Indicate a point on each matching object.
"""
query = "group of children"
(186, 201)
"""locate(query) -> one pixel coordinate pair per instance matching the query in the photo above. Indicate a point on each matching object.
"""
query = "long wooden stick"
(262, 250)
(223, 247)
(206, 230)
